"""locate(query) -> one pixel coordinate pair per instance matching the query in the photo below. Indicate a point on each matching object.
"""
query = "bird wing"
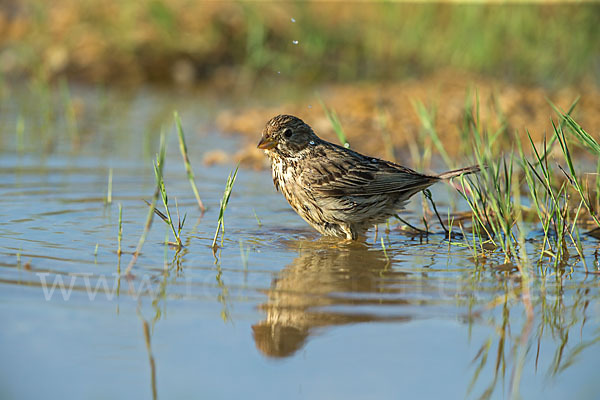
(343, 172)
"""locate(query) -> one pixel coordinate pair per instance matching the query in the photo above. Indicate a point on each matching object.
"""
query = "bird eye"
(287, 132)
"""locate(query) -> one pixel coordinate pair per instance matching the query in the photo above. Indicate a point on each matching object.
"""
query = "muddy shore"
(383, 119)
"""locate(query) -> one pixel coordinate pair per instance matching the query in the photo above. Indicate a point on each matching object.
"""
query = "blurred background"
(183, 42)
(383, 66)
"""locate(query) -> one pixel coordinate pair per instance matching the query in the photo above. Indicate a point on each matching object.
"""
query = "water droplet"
(294, 41)
(347, 145)
(373, 160)
(293, 19)
(312, 142)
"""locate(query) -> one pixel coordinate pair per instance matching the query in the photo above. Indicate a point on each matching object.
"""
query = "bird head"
(286, 135)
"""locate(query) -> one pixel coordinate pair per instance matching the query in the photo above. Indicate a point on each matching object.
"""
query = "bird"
(338, 191)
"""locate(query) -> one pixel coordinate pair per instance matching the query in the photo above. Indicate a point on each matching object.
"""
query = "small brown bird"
(336, 190)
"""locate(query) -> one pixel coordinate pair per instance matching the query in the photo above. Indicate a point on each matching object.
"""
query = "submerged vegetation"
(523, 188)
(160, 183)
(223, 207)
(523, 235)
(516, 252)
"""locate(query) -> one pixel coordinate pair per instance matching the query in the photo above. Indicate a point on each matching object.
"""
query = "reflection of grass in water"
(509, 195)
(560, 198)
(147, 339)
(560, 319)
(554, 200)
(120, 231)
(495, 196)
(560, 204)
(223, 296)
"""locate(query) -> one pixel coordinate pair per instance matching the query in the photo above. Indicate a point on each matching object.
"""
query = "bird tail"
(457, 172)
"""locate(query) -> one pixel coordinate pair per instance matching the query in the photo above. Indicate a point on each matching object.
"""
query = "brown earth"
(381, 119)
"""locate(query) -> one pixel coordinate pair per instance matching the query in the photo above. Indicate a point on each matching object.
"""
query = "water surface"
(277, 312)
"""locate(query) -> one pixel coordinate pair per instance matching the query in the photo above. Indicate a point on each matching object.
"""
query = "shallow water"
(279, 312)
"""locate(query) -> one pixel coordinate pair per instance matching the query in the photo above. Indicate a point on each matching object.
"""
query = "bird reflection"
(325, 286)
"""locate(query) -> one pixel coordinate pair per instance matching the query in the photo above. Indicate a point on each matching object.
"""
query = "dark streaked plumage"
(336, 190)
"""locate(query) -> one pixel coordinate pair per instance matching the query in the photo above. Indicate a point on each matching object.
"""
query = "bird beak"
(266, 143)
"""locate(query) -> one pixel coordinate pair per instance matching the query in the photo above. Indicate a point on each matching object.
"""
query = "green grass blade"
(224, 202)
(337, 125)
(186, 160)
